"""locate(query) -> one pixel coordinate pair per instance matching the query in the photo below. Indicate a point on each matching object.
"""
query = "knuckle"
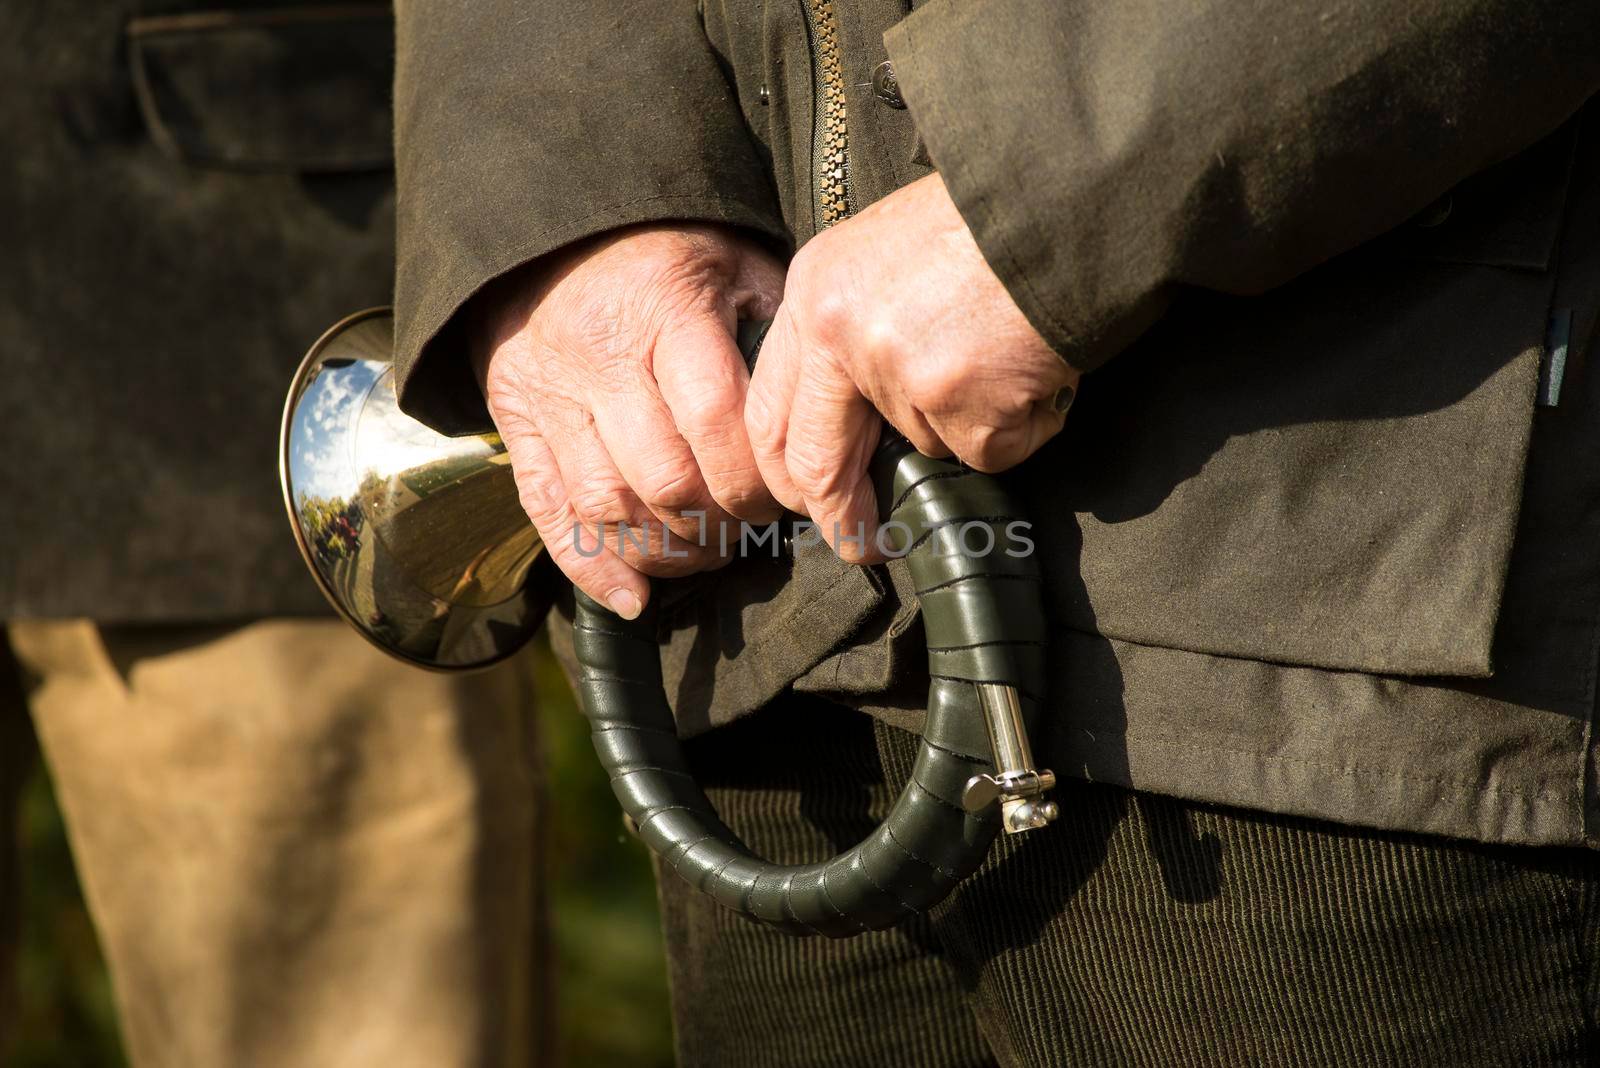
(879, 339)
(810, 287)
(740, 491)
(936, 385)
(830, 310)
(601, 500)
(989, 448)
(811, 473)
(539, 492)
(759, 422)
(674, 487)
(710, 410)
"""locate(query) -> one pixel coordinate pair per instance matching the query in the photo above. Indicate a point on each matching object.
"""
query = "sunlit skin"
(895, 311)
(611, 372)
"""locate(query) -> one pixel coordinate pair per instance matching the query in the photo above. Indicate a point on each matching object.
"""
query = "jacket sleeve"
(521, 127)
(1223, 144)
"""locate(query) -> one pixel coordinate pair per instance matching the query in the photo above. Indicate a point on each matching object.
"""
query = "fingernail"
(625, 603)
(1064, 398)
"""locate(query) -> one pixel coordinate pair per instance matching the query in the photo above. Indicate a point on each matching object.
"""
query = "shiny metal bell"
(417, 539)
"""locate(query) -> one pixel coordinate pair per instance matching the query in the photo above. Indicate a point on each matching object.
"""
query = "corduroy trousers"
(1138, 930)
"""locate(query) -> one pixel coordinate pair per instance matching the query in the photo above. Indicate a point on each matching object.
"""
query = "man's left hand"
(895, 311)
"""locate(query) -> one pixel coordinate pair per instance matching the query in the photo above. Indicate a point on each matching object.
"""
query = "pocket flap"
(304, 89)
(1328, 476)
(1507, 216)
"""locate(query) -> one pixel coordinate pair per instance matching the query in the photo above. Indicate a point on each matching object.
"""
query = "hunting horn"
(419, 542)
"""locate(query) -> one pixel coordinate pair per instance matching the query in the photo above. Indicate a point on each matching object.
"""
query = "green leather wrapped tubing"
(984, 620)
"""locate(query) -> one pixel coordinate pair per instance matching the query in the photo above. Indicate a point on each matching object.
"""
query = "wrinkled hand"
(895, 311)
(612, 374)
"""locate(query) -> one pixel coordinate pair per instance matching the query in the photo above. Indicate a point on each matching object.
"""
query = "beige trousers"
(296, 851)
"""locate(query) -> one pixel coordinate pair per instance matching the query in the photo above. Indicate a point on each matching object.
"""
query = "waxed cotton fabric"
(191, 196)
(1309, 543)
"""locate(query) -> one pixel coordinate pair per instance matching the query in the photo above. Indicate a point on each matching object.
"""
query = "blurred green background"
(611, 978)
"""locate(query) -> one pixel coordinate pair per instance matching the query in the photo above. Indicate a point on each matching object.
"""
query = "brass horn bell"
(416, 538)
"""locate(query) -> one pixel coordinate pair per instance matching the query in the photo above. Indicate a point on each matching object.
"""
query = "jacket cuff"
(438, 386)
(978, 118)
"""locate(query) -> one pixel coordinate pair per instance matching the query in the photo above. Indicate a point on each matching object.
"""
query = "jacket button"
(1435, 214)
(886, 87)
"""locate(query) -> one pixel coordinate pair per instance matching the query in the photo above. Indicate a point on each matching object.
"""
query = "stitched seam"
(936, 476)
(959, 520)
(893, 896)
(965, 758)
(1024, 691)
(951, 805)
(827, 897)
(992, 577)
(684, 849)
(996, 229)
(1350, 770)
(930, 865)
(788, 907)
(594, 674)
(1327, 669)
(636, 769)
(606, 726)
(651, 813)
(991, 643)
(590, 628)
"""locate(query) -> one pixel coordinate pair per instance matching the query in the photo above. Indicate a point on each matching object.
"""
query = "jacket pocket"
(302, 89)
(1329, 475)
(1510, 215)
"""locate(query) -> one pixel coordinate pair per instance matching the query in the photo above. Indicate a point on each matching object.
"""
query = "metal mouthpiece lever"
(1016, 783)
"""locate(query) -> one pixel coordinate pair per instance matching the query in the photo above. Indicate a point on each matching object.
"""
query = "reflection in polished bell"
(417, 539)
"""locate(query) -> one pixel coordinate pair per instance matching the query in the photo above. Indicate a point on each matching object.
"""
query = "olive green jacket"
(1312, 540)
(188, 197)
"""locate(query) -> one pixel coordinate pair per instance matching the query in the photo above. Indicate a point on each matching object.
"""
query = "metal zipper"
(830, 134)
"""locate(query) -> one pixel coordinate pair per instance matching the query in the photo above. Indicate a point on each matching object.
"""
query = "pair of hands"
(612, 374)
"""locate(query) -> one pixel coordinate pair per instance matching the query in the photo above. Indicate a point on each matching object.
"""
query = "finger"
(990, 437)
(913, 424)
(599, 494)
(986, 443)
(767, 405)
(608, 509)
(833, 431)
(703, 381)
(644, 443)
(592, 567)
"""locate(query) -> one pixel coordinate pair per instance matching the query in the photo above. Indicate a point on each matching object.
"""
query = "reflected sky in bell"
(320, 460)
(323, 452)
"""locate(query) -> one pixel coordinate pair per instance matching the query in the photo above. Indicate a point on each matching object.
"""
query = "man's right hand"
(611, 371)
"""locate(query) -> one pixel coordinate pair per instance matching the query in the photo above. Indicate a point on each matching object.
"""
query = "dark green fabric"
(1226, 145)
(168, 258)
(524, 127)
(1138, 930)
(1308, 545)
